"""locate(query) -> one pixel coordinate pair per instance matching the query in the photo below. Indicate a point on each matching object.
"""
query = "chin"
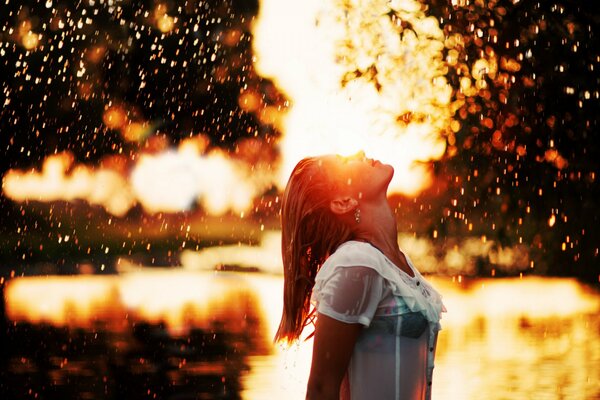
(390, 171)
(387, 173)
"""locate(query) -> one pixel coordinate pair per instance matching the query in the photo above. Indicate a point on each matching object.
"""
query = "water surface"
(178, 334)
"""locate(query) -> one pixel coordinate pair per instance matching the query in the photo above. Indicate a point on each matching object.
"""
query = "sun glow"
(58, 180)
(361, 75)
(189, 299)
(72, 301)
(171, 180)
(180, 299)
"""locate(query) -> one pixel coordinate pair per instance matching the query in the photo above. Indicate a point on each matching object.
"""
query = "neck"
(378, 227)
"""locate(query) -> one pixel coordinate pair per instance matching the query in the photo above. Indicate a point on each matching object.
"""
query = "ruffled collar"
(419, 295)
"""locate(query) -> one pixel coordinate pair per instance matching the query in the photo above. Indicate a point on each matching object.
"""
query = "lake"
(173, 333)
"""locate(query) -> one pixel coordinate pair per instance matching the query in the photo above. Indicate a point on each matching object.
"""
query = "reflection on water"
(520, 339)
(60, 363)
(159, 334)
(534, 338)
(176, 334)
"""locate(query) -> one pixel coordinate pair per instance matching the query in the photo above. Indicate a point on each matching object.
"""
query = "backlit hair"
(310, 233)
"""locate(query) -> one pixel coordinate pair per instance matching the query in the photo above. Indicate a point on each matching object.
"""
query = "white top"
(394, 353)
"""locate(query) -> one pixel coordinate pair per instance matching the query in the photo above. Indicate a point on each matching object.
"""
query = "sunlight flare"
(172, 180)
(60, 180)
(360, 75)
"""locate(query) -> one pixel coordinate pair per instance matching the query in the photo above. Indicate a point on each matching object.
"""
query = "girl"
(376, 317)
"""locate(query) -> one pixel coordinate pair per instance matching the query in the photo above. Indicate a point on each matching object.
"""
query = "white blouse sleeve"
(351, 294)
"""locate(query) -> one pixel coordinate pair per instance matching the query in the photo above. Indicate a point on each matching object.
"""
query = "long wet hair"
(310, 233)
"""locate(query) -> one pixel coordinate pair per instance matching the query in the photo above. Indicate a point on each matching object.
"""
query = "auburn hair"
(310, 233)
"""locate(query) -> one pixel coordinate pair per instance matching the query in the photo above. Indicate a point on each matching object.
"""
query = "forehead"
(335, 167)
(328, 159)
(331, 160)
(330, 164)
(339, 161)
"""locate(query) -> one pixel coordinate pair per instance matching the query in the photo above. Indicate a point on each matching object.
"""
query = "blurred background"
(146, 145)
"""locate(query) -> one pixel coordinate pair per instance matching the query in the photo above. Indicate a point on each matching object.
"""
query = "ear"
(343, 204)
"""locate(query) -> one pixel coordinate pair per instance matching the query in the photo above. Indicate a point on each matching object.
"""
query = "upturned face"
(357, 175)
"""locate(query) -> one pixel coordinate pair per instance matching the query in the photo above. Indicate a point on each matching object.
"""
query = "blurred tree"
(522, 162)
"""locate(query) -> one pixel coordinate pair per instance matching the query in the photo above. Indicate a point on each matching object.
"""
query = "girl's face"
(358, 176)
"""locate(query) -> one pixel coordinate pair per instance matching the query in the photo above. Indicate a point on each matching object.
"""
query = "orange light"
(27, 37)
(164, 22)
(188, 299)
(136, 131)
(103, 186)
(167, 181)
(70, 301)
(114, 117)
(30, 40)
(249, 101)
